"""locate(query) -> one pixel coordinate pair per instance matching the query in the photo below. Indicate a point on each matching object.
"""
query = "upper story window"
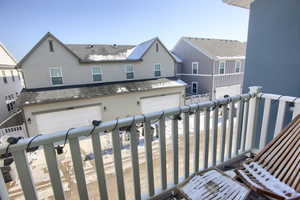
(4, 77)
(129, 72)
(51, 49)
(19, 75)
(222, 67)
(97, 74)
(156, 47)
(12, 76)
(194, 87)
(195, 67)
(157, 70)
(56, 76)
(237, 66)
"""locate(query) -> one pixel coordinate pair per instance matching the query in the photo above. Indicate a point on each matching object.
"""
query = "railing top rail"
(123, 122)
(279, 97)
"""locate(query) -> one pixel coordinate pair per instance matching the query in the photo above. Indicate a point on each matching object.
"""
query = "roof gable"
(44, 38)
(6, 59)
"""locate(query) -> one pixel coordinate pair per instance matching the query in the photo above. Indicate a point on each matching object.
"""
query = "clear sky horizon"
(24, 22)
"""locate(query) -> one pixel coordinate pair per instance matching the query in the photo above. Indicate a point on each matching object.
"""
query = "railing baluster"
(186, 129)
(96, 142)
(280, 116)
(118, 163)
(265, 123)
(296, 108)
(245, 124)
(51, 161)
(215, 134)
(231, 124)
(78, 167)
(134, 140)
(162, 143)
(239, 127)
(223, 132)
(253, 116)
(25, 175)
(196, 139)
(206, 136)
(149, 159)
(175, 149)
(3, 189)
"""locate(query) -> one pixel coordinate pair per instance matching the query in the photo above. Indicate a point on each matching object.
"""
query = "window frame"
(101, 73)
(156, 70)
(156, 47)
(193, 63)
(196, 83)
(224, 67)
(61, 73)
(4, 77)
(128, 72)
(235, 66)
(12, 76)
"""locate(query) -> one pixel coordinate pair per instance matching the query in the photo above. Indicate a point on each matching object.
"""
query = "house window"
(51, 49)
(195, 67)
(97, 74)
(19, 76)
(194, 87)
(4, 77)
(237, 66)
(222, 68)
(129, 72)
(12, 76)
(156, 47)
(56, 76)
(157, 71)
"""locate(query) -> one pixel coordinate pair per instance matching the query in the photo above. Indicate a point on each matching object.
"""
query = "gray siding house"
(10, 83)
(273, 49)
(70, 85)
(211, 66)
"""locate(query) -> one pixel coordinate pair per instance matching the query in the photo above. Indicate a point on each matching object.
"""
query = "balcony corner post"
(252, 117)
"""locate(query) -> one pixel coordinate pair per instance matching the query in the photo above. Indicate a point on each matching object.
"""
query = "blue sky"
(24, 22)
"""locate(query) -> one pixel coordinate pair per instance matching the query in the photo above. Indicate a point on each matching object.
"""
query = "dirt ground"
(43, 185)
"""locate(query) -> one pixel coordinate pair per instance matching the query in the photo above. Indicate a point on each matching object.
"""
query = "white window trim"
(220, 67)
(126, 71)
(159, 69)
(55, 76)
(101, 73)
(235, 66)
(197, 63)
(196, 87)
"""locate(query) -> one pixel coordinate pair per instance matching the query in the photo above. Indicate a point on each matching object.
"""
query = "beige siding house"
(70, 85)
(10, 84)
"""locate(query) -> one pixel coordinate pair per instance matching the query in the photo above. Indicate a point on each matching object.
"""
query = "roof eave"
(110, 61)
(239, 3)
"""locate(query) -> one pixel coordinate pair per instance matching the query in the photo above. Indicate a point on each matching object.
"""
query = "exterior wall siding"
(114, 109)
(12, 88)
(75, 73)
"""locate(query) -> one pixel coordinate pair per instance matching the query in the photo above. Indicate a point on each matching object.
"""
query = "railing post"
(296, 108)
(252, 117)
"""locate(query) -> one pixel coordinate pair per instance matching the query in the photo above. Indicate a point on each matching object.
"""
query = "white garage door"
(65, 119)
(232, 90)
(155, 104)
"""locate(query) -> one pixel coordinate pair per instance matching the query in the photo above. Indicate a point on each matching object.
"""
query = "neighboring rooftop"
(218, 48)
(65, 93)
(6, 59)
(239, 3)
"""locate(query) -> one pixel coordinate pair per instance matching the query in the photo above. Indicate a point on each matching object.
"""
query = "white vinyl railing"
(239, 116)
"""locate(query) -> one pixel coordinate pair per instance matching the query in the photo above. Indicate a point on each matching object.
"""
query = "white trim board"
(210, 75)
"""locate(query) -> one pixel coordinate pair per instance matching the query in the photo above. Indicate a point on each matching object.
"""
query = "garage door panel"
(232, 90)
(155, 104)
(65, 119)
